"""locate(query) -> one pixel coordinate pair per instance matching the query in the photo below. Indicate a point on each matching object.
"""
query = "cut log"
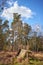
(22, 53)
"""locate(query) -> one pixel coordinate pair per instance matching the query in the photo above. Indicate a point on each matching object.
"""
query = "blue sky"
(31, 11)
(37, 7)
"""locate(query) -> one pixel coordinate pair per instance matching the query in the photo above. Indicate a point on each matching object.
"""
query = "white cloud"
(37, 27)
(10, 3)
(24, 11)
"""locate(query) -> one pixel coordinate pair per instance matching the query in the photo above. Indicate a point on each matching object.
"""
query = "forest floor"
(9, 58)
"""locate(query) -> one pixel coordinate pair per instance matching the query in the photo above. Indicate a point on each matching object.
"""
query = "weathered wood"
(22, 53)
